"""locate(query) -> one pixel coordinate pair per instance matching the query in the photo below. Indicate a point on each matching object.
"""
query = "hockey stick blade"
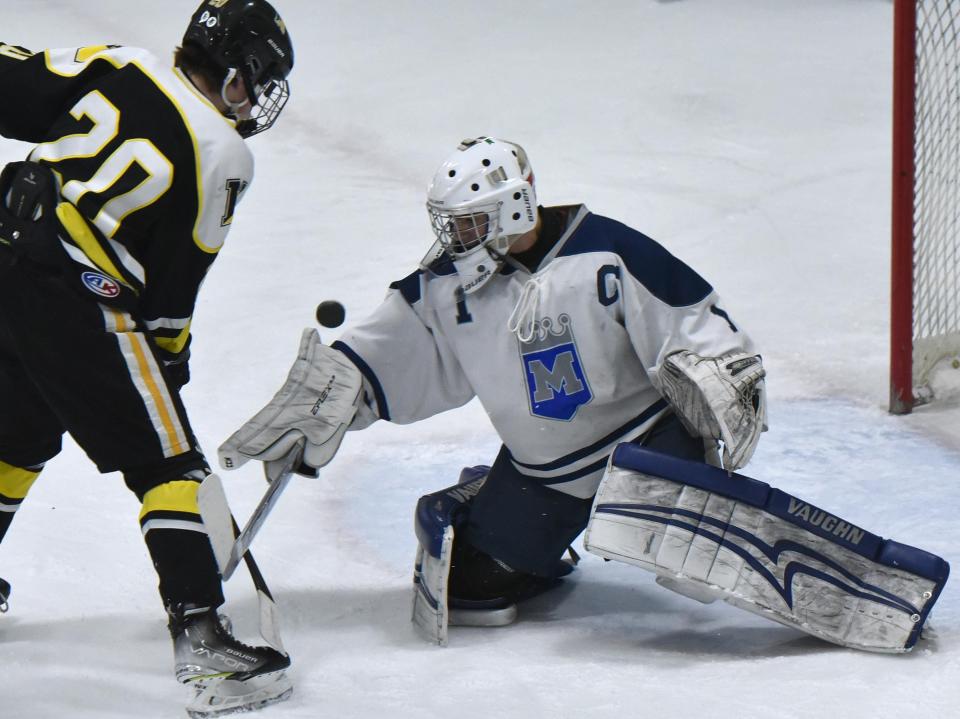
(215, 511)
(279, 476)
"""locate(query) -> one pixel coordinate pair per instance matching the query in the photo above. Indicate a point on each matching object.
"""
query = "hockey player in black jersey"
(106, 233)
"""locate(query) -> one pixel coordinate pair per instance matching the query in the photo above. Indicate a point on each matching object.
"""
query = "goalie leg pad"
(434, 522)
(434, 609)
(430, 576)
(709, 533)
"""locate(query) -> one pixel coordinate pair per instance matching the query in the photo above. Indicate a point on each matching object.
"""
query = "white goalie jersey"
(565, 360)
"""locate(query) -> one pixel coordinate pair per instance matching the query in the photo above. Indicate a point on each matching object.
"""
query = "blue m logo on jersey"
(556, 383)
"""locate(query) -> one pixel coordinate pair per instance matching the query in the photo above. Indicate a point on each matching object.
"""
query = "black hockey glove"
(28, 201)
(177, 367)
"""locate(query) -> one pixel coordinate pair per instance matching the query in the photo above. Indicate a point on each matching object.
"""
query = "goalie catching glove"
(316, 403)
(720, 398)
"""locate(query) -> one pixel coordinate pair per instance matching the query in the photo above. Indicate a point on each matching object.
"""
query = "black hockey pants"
(71, 363)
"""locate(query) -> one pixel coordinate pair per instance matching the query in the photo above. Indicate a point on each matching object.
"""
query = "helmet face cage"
(267, 106)
(462, 231)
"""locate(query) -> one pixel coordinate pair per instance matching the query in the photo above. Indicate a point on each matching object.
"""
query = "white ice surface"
(751, 137)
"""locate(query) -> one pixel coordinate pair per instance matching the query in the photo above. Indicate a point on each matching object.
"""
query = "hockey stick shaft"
(279, 477)
(269, 613)
(255, 574)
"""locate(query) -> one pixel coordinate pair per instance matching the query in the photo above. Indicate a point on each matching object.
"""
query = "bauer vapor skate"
(228, 676)
(4, 595)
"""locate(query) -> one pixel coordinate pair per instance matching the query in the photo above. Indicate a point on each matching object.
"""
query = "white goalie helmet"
(481, 200)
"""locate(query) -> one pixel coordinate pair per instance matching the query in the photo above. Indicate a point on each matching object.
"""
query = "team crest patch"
(100, 284)
(556, 383)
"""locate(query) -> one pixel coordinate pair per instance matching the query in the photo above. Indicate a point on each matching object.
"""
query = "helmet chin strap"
(477, 268)
(234, 107)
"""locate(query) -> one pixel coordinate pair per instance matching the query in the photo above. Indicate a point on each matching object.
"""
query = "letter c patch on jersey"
(556, 382)
(608, 280)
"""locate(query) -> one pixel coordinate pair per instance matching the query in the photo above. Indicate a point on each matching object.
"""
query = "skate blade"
(229, 696)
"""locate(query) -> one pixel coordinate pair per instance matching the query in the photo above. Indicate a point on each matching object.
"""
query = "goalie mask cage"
(925, 292)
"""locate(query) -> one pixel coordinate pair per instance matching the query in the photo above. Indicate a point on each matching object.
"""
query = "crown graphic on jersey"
(556, 381)
(547, 334)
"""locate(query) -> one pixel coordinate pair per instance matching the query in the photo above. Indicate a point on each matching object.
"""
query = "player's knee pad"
(711, 535)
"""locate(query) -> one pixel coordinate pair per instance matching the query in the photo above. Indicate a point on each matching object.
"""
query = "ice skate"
(228, 676)
(4, 595)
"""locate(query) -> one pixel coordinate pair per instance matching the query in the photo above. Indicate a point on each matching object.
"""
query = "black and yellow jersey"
(150, 171)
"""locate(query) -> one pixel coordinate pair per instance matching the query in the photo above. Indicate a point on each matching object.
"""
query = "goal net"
(925, 299)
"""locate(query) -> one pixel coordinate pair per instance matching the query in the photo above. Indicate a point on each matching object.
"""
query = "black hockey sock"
(186, 567)
(179, 546)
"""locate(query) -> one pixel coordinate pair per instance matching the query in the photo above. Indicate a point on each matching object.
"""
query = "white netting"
(936, 216)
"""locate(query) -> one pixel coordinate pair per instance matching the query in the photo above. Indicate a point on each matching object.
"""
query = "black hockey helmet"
(247, 37)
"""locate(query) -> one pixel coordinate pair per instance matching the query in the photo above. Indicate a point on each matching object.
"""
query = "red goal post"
(925, 258)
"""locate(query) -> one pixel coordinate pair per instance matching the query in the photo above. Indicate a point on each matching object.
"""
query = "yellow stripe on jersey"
(176, 496)
(174, 344)
(84, 54)
(15, 482)
(68, 63)
(83, 237)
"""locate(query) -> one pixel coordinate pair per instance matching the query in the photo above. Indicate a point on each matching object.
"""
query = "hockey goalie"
(579, 336)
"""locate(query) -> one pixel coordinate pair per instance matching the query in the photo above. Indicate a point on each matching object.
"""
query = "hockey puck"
(330, 313)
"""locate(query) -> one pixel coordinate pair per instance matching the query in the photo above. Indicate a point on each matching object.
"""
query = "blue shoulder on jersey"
(409, 286)
(666, 277)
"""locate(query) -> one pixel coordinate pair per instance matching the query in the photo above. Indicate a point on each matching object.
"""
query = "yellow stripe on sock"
(177, 496)
(14, 481)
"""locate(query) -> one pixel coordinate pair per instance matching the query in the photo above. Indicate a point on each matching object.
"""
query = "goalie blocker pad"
(711, 535)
